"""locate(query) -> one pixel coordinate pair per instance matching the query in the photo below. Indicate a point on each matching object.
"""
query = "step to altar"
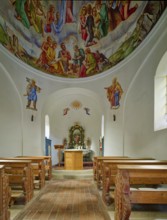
(85, 164)
(72, 174)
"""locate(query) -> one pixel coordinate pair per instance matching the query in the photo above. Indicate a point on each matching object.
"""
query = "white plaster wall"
(140, 139)
(27, 133)
(10, 117)
(60, 124)
(132, 132)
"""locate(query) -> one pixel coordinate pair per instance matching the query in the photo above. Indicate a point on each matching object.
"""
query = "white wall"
(131, 134)
(140, 139)
(60, 124)
(10, 116)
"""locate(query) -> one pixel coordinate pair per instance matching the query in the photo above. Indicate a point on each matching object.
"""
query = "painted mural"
(114, 94)
(76, 105)
(31, 92)
(75, 39)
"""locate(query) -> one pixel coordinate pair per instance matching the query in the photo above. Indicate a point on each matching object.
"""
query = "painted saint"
(114, 93)
(31, 93)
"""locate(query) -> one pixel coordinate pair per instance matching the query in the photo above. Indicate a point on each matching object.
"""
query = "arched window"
(160, 95)
(47, 127)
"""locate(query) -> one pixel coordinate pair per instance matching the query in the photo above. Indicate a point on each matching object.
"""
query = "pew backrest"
(47, 164)
(110, 169)
(20, 174)
(5, 195)
(138, 174)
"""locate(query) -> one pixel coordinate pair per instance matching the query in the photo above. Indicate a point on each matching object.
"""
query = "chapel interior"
(81, 80)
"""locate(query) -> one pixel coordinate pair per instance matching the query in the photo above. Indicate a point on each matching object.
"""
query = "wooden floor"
(76, 198)
(66, 200)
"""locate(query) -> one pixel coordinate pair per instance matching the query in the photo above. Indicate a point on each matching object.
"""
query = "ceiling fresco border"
(75, 39)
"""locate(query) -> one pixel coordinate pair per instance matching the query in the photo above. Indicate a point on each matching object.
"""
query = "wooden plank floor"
(73, 199)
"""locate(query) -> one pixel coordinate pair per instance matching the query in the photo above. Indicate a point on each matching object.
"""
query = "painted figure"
(79, 55)
(69, 11)
(31, 93)
(114, 93)
(43, 59)
(36, 15)
(55, 20)
(91, 65)
(125, 9)
(54, 66)
(65, 57)
(96, 16)
(87, 110)
(90, 25)
(50, 18)
(114, 15)
(83, 29)
(104, 21)
(65, 111)
(21, 15)
(101, 60)
(77, 139)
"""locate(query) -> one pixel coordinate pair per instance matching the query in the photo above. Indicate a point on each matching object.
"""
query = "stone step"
(72, 174)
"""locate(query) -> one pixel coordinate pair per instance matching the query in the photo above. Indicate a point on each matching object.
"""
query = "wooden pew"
(128, 175)
(97, 159)
(110, 171)
(99, 172)
(20, 178)
(99, 166)
(38, 168)
(4, 195)
(47, 164)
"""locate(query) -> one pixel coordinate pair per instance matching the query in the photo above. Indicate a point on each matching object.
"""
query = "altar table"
(73, 159)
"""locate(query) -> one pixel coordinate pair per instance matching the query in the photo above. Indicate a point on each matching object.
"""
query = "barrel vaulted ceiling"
(75, 39)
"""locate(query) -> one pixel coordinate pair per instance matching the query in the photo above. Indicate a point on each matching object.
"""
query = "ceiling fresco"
(75, 39)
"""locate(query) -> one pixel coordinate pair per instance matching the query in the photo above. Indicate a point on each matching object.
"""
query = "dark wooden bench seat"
(144, 175)
(20, 177)
(99, 172)
(5, 194)
(109, 168)
(97, 161)
(47, 165)
(38, 169)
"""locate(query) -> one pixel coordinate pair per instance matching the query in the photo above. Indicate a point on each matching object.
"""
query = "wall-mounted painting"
(114, 94)
(31, 92)
(75, 39)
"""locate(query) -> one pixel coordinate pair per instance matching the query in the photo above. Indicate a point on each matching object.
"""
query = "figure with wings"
(87, 111)
(65, 111)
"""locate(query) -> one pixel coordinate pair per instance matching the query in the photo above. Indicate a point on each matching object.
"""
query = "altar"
(76, 151)
(73, 159)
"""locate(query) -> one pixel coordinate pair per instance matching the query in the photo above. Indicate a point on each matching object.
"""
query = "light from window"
(47, 127)
(160, 95)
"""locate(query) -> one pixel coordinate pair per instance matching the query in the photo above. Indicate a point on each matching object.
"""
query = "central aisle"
(73, 199)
